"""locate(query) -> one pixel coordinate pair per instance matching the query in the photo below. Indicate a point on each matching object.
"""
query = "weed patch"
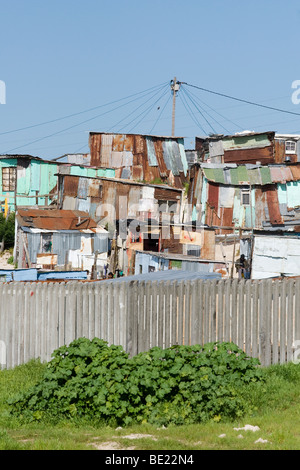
(180, 385)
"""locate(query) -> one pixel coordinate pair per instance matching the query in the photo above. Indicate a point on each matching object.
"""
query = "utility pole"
(175, 88)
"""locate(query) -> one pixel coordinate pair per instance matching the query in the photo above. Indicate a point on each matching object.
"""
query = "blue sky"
(61, 58)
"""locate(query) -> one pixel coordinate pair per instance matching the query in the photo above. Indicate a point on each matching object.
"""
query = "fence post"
(283, 322)
(268, 322)
(213, 313)
(290, 319)
(228, 311)
(167, 314)
(220, 311)
(233, 320)
(194, 314)
(255, 319)
(248, 317)
(262, 324)
(275, 329)
(241, 316)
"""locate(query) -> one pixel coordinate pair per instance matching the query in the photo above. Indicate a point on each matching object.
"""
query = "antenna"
(175, 86)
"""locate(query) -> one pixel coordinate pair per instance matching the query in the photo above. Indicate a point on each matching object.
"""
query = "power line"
(78, 113)
(160, 114)
(70, 127)
(190, 112)
(144, 113)
(242, 100)
(156, 93)
(193, 102)
(219, 114)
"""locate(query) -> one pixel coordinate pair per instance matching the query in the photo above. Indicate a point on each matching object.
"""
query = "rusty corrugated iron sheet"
(264, 155)
(295, 169)
(102, 193)
(70, 185)
(273, 206)
(260, 203)
(148, 158)
(52, 219)
(279, 151)
(238, 148)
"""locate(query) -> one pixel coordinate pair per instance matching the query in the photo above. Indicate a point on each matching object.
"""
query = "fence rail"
(261, 317)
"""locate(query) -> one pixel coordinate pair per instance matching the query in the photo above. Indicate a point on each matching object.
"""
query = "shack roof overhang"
(232, 174)
(142, 135)
(55, 220)
(188, 225)
(123, 181)
(214, 137)
(27, 157)
(179, 257)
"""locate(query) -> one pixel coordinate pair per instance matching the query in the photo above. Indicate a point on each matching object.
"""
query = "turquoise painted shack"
(27, 181)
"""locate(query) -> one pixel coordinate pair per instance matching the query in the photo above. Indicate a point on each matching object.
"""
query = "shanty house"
(250, 200)
(53, 239)
(113, 201)
(263, 148)
(27, 181)
(246, 196)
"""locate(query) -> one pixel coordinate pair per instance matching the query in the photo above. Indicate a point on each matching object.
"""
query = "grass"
(275, 410)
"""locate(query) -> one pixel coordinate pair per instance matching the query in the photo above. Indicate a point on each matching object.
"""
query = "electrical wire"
(242, 100)
(219, 114)
(130, 114)
(160, 114)
(151, 107)
(190, 113)
(70, 127)
(197, 108)
(78, 113)
(143, 114)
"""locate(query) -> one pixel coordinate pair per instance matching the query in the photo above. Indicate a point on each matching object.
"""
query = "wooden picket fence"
(261, 317)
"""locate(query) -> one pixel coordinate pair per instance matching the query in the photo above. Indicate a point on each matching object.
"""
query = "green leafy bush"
(180, 385)
(7, 229)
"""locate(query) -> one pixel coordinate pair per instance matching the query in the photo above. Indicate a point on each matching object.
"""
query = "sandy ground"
(3, 260)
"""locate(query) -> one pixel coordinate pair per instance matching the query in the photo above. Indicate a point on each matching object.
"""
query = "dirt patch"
(137, 436)
(113, 445)
(110, 445)
(3, 260)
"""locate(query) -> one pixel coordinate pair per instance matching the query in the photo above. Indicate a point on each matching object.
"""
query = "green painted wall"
(92, 172)
(254, 141)
(32, 176)
(39, 175)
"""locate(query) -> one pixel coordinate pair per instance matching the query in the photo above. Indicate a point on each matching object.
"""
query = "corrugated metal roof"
(265, 175)
(52, 219)
(250, 174)
(172, 275)
(155, 156)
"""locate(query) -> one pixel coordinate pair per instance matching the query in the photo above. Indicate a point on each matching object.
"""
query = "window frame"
(289, 150)
(12, 179)
(245, 192)
(46, 237)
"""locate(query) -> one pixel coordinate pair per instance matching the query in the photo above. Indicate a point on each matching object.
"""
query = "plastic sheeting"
(275, 256)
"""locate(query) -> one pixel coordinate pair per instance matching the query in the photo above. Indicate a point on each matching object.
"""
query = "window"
(290, 146)
(47, 243)
(245, 197)
(167, 206)
(9, 179)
